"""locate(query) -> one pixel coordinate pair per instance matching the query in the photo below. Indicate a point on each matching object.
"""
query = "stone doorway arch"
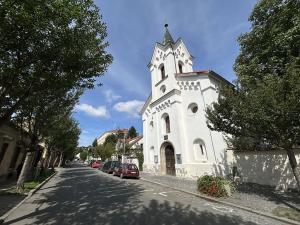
(167, 157)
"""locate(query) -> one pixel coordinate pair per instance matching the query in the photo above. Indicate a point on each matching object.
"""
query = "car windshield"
(115, 164)
(132, 167)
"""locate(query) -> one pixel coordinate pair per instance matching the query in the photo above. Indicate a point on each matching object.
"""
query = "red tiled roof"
(114, 131)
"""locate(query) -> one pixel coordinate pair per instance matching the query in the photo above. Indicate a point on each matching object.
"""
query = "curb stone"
(288, 221)
(2, 218)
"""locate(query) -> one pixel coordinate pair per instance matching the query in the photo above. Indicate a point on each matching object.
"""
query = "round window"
(193, 108)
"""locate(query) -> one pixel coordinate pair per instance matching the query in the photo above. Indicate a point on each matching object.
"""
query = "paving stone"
(255, 196)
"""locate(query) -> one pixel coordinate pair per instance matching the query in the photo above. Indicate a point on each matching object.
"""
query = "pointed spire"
(167, 36)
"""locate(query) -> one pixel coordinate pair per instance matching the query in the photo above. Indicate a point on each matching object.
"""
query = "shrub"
(215, 186)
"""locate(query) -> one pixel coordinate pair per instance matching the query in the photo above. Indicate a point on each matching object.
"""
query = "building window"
(163, 89)
(178, 159)
(202, 149)
(165, 125)
(155, 158)
(199, 150)
(15, 157)
(167, 121)
(180, 67)
(162, 72)
(195, 109)
(151, 154)
(3, 151)
(192, 108)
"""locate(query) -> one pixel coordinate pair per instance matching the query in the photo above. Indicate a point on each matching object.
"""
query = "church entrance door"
(170, 160)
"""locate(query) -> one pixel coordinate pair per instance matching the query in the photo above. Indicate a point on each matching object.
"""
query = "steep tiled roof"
(167, 36)
(113, 132)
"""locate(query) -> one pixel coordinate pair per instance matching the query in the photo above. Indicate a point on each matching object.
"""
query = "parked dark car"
(109, 166)
(127, 170)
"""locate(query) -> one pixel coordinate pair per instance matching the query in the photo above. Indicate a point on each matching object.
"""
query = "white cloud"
(111, 96)
(100, 111)
(85, 132)
(130, 107)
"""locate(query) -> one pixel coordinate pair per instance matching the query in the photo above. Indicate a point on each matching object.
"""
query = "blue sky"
(209, 29)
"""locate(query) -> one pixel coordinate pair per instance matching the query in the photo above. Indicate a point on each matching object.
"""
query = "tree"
(83, 155)
(63, 137)
(107, 149)
(48, 45)
(94, 144)
(112, 138)
(262, 111)
(132, 132)
(40, 120)
(138, 152)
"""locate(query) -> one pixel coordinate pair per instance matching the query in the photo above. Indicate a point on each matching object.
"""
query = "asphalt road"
(81, 195)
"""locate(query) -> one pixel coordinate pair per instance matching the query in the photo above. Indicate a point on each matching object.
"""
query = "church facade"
(177, 140)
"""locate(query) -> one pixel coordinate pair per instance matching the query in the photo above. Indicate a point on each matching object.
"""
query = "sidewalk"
(8, 201)
(254, 196)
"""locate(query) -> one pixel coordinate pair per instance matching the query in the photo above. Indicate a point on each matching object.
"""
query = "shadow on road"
(82, 197)
(290, 199)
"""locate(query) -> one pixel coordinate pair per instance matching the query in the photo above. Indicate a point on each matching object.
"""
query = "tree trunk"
(295, 168)
(55, 161)
(25, 170)
(49, 160)
(61, 159)
(45, 162)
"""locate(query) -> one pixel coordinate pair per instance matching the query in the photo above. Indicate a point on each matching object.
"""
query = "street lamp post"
(123, 156)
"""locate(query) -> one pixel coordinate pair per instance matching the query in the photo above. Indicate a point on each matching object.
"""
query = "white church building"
(176, 139)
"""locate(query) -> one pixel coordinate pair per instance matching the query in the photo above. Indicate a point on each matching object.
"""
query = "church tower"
(169, 58)
(176, 139)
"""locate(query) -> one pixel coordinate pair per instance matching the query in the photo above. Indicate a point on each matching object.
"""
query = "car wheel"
(121, 176)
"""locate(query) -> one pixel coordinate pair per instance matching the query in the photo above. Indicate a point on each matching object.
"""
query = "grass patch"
(28, 185)
(288, 213)
(11, 191)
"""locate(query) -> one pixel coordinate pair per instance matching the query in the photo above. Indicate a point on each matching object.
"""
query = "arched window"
(180, 67)
(199, 150)
(162, 72)
(151, 125)
(167, 122)
(163, 89)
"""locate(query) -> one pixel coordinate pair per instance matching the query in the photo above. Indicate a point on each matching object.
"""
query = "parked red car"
(96, 164)
(126, 170)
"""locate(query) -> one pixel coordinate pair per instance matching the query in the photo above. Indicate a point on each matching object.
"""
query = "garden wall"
(266, 167)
